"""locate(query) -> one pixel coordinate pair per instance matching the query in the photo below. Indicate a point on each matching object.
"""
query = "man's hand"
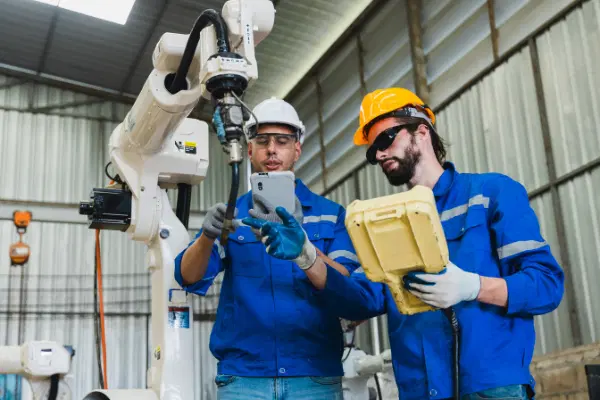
(213, 221)
(263, 209)
(443, 290)
(287, 240)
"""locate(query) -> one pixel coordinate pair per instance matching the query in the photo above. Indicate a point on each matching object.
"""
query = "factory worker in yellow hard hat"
(501, 272)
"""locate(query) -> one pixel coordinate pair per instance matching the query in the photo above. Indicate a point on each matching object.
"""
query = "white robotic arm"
(44, 364)
(359, 368)
(157, 148)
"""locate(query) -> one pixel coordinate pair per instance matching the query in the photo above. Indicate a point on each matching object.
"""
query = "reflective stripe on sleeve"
(512, 249)
(343, 253)
(359, 270)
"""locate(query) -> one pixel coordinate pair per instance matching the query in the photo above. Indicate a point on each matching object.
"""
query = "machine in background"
(45, 365)
(157, 148)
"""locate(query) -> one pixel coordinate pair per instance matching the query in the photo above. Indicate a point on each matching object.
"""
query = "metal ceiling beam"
(49, 38)
(493, 28)
(62, 106)
(134, 65)
(419, 61)
(59, 114)
(321, 128)
(66, 84)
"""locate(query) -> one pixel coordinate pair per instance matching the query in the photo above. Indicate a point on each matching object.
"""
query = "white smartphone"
(278, 188)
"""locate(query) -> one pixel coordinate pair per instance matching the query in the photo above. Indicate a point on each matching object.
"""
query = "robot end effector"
(149, 148)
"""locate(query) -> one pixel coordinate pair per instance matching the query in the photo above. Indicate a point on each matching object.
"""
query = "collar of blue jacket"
(491, 230)
(270, 321)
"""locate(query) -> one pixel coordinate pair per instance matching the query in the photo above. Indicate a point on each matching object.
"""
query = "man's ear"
(298, 149)
(250, 150)
(423, 131)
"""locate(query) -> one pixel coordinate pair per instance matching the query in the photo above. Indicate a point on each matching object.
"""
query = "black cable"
(53, 394)
(184, 201)
(116, 178)
(233, 191)
(207, 17)
(379, 395)
(350, 346)
(451, 315)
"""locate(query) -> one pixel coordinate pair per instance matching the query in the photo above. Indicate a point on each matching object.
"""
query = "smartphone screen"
(278, 188)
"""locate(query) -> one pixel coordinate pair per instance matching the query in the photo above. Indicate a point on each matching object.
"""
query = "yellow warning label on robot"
(190, 147)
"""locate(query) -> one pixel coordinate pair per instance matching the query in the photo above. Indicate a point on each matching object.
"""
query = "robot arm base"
(124, 394)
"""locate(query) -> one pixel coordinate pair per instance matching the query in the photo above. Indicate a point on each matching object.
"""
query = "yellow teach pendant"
(394, 235)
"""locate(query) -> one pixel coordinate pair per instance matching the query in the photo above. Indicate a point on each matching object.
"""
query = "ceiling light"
(110, 10)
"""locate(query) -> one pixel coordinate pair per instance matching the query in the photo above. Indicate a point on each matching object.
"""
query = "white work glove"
(263, 209)
(446, 289)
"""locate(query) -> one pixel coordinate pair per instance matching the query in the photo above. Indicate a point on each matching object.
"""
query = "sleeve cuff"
(517, 286)
(199, 288)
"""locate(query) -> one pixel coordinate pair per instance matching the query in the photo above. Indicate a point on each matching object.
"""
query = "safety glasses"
(382, 142)
(281, 139)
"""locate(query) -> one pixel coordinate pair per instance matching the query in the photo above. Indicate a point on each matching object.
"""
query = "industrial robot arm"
(359, 368)
(157, 148)
(44, 364)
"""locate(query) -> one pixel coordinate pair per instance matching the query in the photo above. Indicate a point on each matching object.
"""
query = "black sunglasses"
(382, 142)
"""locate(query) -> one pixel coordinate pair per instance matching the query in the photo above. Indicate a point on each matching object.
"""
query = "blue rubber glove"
(445, 289)
(287, 240)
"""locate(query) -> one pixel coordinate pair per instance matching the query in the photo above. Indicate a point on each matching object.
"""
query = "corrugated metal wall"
(457, 44)
(56, 160)
(569, 57)
(386, 55)
(495, 125)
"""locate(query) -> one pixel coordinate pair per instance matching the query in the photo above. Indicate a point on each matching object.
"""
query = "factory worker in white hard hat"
(271, 335)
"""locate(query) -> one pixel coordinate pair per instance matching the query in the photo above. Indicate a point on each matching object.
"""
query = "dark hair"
(438, 144)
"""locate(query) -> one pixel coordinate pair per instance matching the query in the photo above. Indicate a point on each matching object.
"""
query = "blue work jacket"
(270, 321)
(491, 230)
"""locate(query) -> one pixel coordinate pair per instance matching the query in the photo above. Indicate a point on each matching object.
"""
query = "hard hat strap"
(406, 112)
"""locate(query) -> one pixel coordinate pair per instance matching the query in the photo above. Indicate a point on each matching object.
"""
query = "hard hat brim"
(359, 138)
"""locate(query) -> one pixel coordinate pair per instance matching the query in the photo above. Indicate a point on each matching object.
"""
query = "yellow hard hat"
(383, 101)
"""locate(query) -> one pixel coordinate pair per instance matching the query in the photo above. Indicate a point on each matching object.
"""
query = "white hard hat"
(276, 111)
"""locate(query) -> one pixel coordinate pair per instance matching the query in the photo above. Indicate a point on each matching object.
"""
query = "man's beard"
(405, 170)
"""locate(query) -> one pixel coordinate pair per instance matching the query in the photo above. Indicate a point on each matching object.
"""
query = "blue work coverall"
(491, 230)
(270, 321)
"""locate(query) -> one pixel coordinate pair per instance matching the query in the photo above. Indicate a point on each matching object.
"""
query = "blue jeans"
(311, 388)
(513, 392)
